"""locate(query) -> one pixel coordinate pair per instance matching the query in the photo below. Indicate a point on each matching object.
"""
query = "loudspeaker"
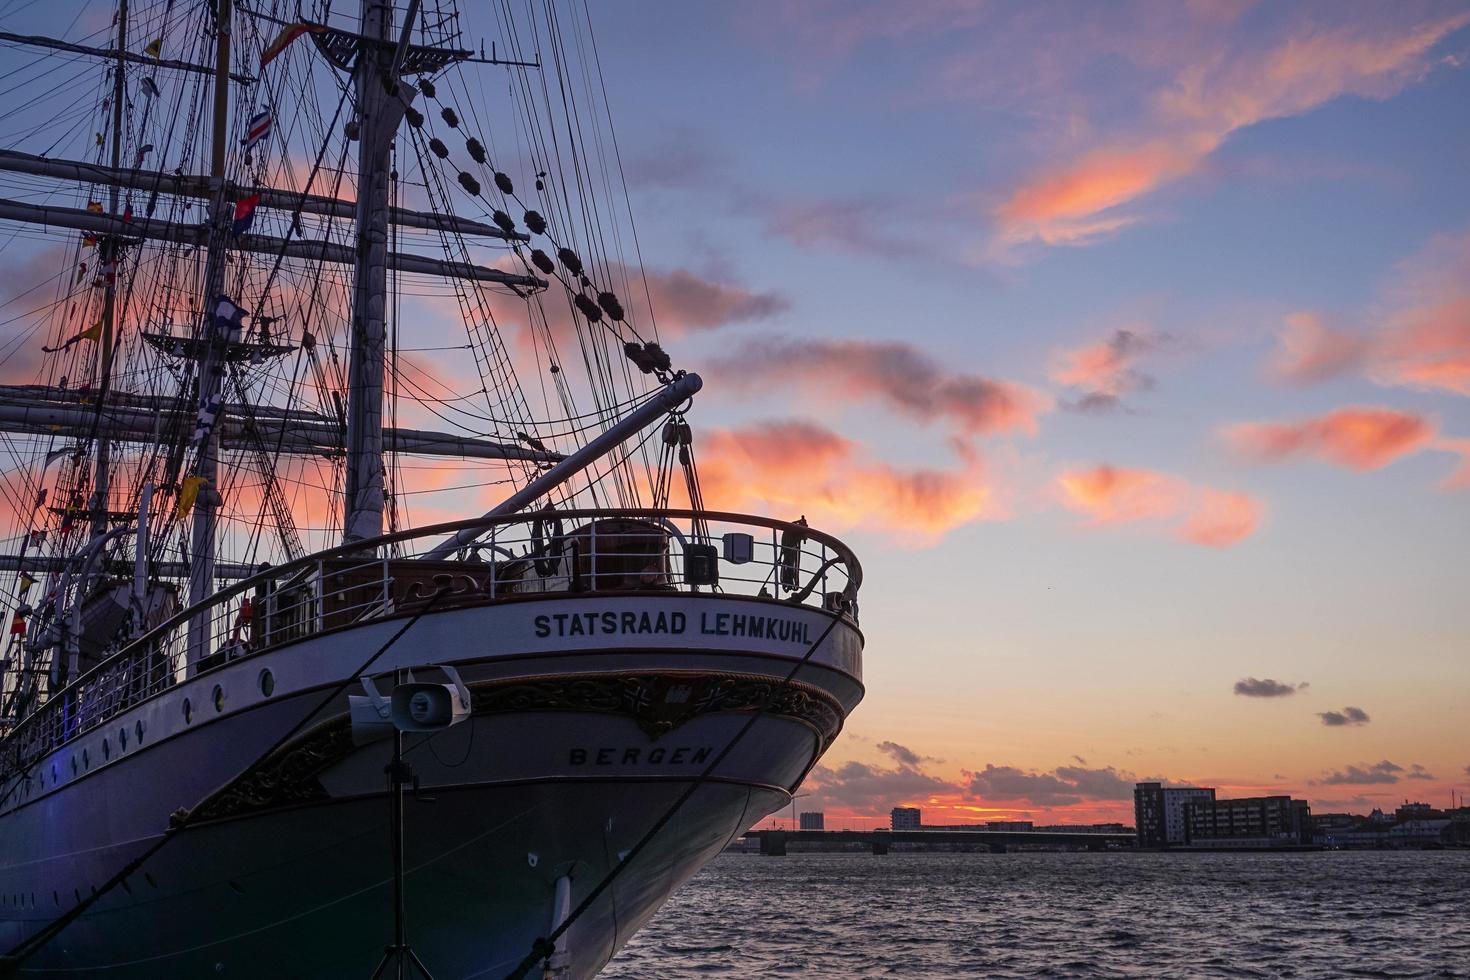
(421, 707)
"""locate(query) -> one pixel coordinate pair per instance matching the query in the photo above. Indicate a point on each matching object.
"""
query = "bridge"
(773, 842)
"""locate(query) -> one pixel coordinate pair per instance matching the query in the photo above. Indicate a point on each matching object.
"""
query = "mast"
(210, 364)
(101, 473)
(380, 107)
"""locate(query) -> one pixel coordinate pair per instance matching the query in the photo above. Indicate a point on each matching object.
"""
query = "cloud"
(1359, 438)
(1217, 85)
(1063, 786)
(892, 373)
(1266, 687)
(1347, 716)
(1106, 370)
(789, 466)
(1459, 479)
(1114, 495)
(1426, 339)
(682, 158)
(1221, 519)
(1416, 771)
(1364, 775)
(1421, 336)
(1109, 495)
(873, 789)
(903, 755)
(1062, 205)
(1311, 351)
(851, 224)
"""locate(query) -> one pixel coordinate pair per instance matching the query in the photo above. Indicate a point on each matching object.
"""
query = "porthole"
(86, 759)
(188, 711)
(106, 750)
(122, 738)
(219, 698)
(267, 682)
(138, 731)
(53, 774)
(73, 765)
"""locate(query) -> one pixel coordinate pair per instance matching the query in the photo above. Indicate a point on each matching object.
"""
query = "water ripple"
(1025, 915)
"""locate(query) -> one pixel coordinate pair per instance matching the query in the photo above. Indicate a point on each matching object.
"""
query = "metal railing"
(598, 552)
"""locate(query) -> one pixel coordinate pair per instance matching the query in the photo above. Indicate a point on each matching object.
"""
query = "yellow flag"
(188, 493)
(155, 48)
(26, 581)
(93, 333)
(95, 207)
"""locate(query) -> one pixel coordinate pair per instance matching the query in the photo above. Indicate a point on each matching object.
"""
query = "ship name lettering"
(756, 627)
(608, 623)
(608, 756)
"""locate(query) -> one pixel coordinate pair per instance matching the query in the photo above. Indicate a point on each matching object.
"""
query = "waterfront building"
(1417, 811)
(1009, 825)
(1081, 828)
(816, 820)
(1256, 821)
(1158, 812)
(906, 818)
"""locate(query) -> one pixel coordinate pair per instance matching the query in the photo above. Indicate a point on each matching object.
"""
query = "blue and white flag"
(227, 319)
(258, 129)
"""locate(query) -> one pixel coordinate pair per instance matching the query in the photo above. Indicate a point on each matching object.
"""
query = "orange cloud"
(1114, 495)
(1061, 206)
(897, 374)
(788, 467)
(1312, 351)
(1214, 93)
(1359, 438)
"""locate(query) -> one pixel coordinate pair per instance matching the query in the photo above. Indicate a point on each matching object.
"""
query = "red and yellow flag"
(283, 40)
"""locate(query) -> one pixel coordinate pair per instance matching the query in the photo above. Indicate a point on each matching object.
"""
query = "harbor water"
(1311, 915)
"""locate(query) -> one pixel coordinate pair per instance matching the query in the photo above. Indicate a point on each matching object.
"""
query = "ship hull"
(577, 744)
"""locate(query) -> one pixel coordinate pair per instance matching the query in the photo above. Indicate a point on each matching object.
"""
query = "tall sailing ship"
(290, 296)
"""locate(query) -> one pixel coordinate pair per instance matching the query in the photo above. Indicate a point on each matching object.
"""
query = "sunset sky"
(1129, 343)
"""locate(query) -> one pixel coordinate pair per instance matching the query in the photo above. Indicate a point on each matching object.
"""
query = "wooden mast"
(111, 257)
(210, 369)
(380, 108)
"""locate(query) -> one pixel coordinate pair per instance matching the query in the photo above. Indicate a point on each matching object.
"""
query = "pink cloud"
(1422, 337)
(1359, 438)
(1201, 515)
(1064, 205)
(1220, 83)
(789, 467)
(1311, 351)
(1221, 519)
(1113, 495)
(896, 374)
(1460, 478)
(1426, 339)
